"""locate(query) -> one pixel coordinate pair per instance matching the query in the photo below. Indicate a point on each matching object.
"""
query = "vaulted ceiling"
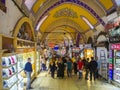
(56, 17)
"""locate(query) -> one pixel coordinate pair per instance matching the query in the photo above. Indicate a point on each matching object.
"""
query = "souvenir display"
(10, 74)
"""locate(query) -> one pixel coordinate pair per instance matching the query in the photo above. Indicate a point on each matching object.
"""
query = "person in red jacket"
(80, 67)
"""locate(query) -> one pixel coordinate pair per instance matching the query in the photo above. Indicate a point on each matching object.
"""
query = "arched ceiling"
(69, 11)
(50, 16)
(61, 37)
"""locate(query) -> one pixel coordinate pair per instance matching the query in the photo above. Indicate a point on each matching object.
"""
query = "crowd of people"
(67, 65)
(74, 66)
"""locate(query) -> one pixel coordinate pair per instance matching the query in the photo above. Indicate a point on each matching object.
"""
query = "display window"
(102, 57)
(116, 73)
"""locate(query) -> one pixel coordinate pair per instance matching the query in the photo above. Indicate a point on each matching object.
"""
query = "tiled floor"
(45, 82)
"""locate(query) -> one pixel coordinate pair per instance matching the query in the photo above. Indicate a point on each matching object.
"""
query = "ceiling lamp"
(40, 22)
(88, 23)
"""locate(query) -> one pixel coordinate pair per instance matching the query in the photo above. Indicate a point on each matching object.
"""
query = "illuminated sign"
(115, 46)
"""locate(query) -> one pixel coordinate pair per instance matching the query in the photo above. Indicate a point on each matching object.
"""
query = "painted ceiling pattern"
(69, 13)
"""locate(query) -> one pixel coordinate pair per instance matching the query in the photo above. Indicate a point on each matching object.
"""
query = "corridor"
(45, 82)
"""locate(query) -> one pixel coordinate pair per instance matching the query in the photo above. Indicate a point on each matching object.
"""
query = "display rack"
(13, 57)
(8, 61)
(103, 65)
(21, 75)
(26, 49)
(117, 66)
(22, 45)
(9, 71)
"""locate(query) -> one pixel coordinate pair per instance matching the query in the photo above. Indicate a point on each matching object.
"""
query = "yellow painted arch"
(19, 24)
(75, 10)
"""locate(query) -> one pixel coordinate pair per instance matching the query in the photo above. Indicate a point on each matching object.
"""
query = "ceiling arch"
(60, 30)
(79, 4)
(62, 22)
(58, 38)
(69, 13)
(64, 11)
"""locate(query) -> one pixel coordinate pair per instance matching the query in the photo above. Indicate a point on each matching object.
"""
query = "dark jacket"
(93, 65)
(86, 65)
(28, 67)
(52, 68)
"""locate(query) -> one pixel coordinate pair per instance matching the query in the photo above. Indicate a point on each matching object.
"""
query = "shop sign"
(115, 46)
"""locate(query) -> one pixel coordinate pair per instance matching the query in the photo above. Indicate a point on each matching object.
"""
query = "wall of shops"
(9, 18)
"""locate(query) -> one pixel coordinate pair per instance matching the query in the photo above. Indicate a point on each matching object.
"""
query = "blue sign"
(56, 48)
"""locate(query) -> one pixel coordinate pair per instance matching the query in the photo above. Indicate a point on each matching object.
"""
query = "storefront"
(102, 48)
(114, 66)
(14, 55)
(114, 53)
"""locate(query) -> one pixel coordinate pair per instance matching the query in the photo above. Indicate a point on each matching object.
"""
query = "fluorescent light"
(117, 2)
(89, 24)
(40, 22)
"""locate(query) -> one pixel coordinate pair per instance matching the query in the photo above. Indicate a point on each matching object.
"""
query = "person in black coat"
(93, 68)
(52, 69)
(75, 67)
(86, 68)
(58, 68)
(61, 67)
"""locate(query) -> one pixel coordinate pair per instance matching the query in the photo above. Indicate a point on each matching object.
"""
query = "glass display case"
(9, 72)
(117, 66)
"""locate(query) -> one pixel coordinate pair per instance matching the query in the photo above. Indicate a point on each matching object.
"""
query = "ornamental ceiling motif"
(65, 12)
(69, 13)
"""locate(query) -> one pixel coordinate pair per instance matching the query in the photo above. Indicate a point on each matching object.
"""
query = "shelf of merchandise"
(25, 50)
(9, 81)
(8, 74)
(117, 73)
(10, 88)
(103, 68)
(7, 50)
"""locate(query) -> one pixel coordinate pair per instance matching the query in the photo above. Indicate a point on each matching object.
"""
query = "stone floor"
(45, 82)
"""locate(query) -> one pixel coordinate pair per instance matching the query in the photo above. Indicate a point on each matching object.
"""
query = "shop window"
(25, 32)
(2, 5)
